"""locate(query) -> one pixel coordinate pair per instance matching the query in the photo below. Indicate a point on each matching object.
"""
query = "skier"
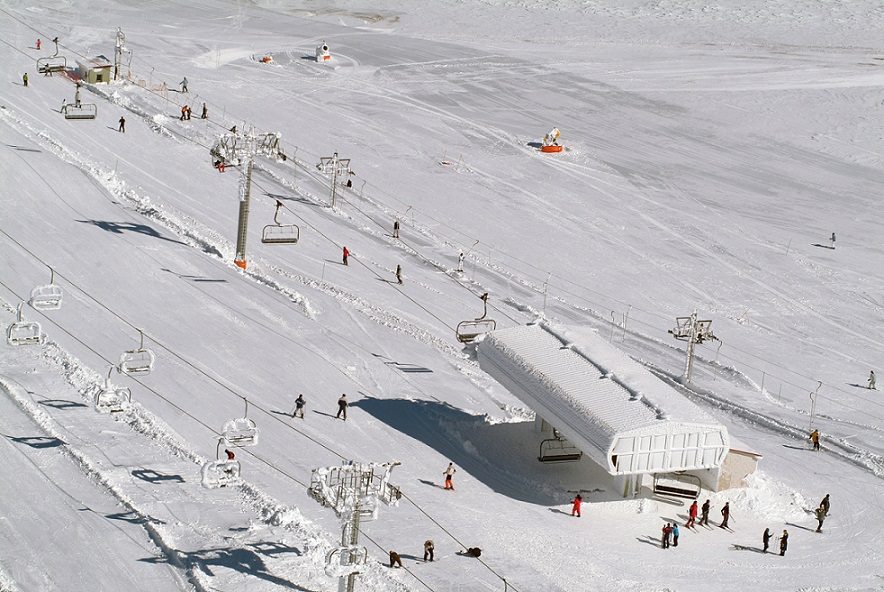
(184, 85)
(815, 438)
(428, 550)
(825, 504)
(205, 113)
(183, 113)
(692, 515)
(299, 407)
(872, 380)
(833, 240)
(675, 534)
(460, 261)
(449, 474)
(230, 454)
(346, 254)
(47, 71)
(64, 103)
(122, 128)
(396, 229)
(704, 517)
(24, 78)
(575, 509)
(726, 513)
(342, 407)
(667, 532)
(784, 542)
(399, 273)
(765, 539)
(395, 559)
(39, 43)
(820, 517)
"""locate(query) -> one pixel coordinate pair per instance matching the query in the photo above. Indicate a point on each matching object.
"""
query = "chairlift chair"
(81, 111)
(54, 63)
(470, 331)
(110, 399)
(137, 361)
(21, 332)
(677, 484)
(280, 234)
(241, 431)
(47, 297)
(558, 449)
(220, 472)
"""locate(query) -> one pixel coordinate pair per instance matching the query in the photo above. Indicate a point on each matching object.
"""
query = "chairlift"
(470, 331)
(21, 332)
(220, 472)
(51, 64)
(137, 361)
(81, 111)
(241, 431)
(110, 399)
(558, 449)
(47, 297)
(677, 484)
(280, 234)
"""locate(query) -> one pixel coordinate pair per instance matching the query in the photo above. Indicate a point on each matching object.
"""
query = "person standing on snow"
(675, 534)
(395, 560)
(342, 407)
(824, 504)
(346, 254)
(460, 261)
(24, 78)
(39, 43)
(765, 539)
(692, 515)
(726, 514)
(704, 517)
(815, 438)
(299, 407)
(428, 550)
(122, 128)
(449, 475)
(784, 542)
(399, 273)
(575, 509)
(205, 113)
(872, 380)
(395, 228)
(184, 85)
(820, 517)
(667, 532)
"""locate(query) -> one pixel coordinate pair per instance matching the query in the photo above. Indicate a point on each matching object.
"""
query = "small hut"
(95, 70)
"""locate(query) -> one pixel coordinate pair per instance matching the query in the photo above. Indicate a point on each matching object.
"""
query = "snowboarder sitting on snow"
(472, 552)
(428, 550)
(395, 560)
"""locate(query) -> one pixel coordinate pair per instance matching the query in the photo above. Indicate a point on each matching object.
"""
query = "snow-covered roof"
(602, 401)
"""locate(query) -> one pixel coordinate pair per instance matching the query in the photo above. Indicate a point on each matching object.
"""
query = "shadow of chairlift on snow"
(133, 518)
(121, 227)
(60, 404)
(152, 476)
(38, 441)
(403, 366)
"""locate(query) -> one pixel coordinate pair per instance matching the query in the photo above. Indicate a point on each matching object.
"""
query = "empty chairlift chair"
(137, 361)
(220, 472)
(81, 111)
(110, 399)
(677, 485)
(21, 332)
(470, 331)
(47, 297)
(241, 431)
(558, 449)
(280, 234)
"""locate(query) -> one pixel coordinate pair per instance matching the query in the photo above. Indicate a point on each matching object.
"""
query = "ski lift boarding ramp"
(607, 405)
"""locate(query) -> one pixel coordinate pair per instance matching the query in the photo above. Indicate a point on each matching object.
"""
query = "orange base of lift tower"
(241, 263)
(552, 148)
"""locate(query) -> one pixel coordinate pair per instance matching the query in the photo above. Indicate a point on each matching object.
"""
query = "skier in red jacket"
(346, 254)
(575, 509)
(692, 513)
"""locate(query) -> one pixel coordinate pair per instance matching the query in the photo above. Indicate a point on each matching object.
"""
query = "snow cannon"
(551, 141)
(322, 52)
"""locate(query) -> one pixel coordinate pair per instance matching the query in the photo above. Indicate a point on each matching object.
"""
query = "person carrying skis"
(704, 517)
(399, 273)
(726, 514)
(299, 407)
(346, 254)
(667, 532)
(342, 407)
(765, 539)
(815, 438)
(184, 85)
(675, 534)
(872, 380)
(122, 128)
(449, 475)
(395, 560)
(820, 517)
(692, 515)
(575, 509)
(824, 504)
(428, 550)
(784, 542)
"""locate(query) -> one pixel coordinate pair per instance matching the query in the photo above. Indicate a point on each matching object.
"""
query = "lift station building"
(592, 398)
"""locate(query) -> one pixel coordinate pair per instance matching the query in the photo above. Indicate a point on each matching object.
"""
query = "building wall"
(737, 466)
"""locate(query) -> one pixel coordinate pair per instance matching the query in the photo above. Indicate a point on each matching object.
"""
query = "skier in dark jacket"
(765, 539)
(24, 78)
(704, 517)
(395, 560)
(784, 542)
(399, 273)
(342, 407)
(122, 128)
(429, 548)
(825, 504)
(299, 407)
(725, 513)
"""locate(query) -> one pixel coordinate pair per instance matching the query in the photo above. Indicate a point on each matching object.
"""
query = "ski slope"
(712, 149)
